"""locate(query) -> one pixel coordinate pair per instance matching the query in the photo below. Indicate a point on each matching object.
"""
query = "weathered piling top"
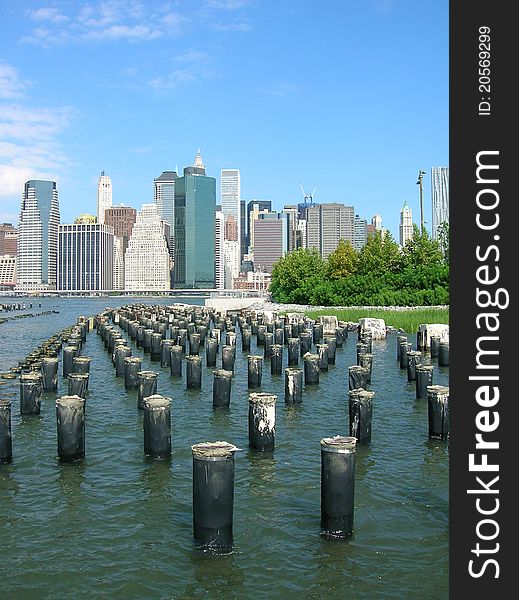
(214, 450)
(339, 443)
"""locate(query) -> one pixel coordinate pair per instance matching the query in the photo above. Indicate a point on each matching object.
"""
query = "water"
(120, 525)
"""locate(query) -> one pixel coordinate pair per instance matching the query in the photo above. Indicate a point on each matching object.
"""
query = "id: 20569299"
(484, 71)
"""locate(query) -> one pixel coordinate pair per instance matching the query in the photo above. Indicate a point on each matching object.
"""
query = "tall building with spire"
(406, 224)
(195, 204)
(147, 260)
(38, 236)
(104, 196)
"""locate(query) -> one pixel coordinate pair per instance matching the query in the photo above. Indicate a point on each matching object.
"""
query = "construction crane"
(308, 197)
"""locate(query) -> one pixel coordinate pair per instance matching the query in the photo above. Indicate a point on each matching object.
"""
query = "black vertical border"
(471, 133)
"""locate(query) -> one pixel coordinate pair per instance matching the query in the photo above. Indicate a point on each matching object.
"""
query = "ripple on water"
(121, 524)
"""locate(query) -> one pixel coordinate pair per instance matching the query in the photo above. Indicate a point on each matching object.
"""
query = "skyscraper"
(38, 236)
(254, 208)
(231, 254)
(104, 196)
(375, 227)
(118, 276)
(406, 224)
(360, 232)
(147, 260)
(294, 234)
(122, 219)
(328, 223)
(164, 197)
(376, 222)
(230, 197)
(270, 240)
(8, 239)
(219, 261)
(7, 271)
(195, 202)
(243, 230)
(85, 256)
(439, 197)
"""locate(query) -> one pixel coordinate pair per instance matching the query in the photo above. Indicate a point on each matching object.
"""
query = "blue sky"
(349, 97)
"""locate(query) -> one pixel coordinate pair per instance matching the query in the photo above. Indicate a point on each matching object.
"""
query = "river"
(119, 525)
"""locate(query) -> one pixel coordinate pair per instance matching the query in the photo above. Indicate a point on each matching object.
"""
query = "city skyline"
(334, 89)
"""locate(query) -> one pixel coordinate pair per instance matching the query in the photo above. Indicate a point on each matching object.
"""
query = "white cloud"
(238, 26)
(11, 84)
(282, 89)
(29, 140)
(193, 57)
(171, 80)
(48, 14)
(228, 4)
(104, 21)
(123, 32)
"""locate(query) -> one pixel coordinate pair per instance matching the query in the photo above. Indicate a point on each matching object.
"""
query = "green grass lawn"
(406, 319)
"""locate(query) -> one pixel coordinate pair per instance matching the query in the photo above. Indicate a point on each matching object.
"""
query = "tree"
(379, 255)
(292, 274)
(342, 261)
(421, 250)
(444, 239)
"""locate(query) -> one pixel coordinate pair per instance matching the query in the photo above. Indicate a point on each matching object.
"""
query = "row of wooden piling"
(213, 462)
(337, 453)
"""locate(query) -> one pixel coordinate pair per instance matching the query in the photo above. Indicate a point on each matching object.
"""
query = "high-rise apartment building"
(440, 198)
(164, 197)
(8, 239)
(219, 259)
(360, 232)
(85, 257)
(326, 224)
(195, 203)
(255, 208)
(406, 224)
(38, 236)
(270, 240)
(147, 259)
(104, 196)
